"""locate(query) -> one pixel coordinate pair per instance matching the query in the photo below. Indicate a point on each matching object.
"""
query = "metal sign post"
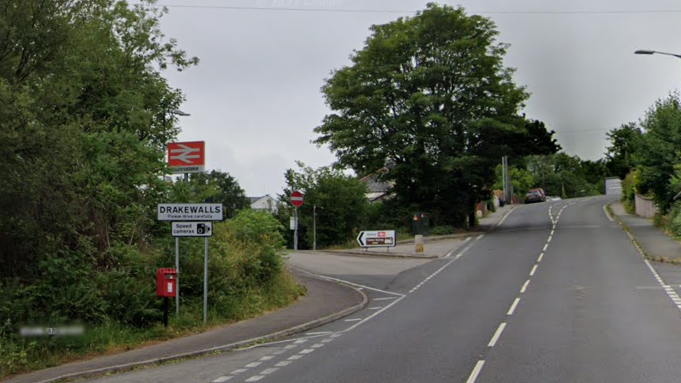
(295, 229)
(177, 278)
(205, 281)
(297, 198)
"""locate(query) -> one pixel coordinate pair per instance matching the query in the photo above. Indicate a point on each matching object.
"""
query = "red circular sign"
(297, 198)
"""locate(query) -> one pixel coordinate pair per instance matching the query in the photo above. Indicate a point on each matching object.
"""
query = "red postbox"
(166, 282)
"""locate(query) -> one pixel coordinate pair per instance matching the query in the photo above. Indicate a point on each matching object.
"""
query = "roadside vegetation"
(646, 156)
(85, 116)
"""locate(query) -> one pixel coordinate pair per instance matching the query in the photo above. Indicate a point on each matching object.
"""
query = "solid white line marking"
(522, 290)
(254, 364)
(502, 220)
(255, 378)
(222, 379)
(375, 308)
(357, 285)
(378, 312)
(545, 247)
(605, 210)
(268, 371)
(533, 270)
(283, 363)
(541, 256)
(476, 370)
(496, 336)
(318, 333)
(479, 237)
(513, 306)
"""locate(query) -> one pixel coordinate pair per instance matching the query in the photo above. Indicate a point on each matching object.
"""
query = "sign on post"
(189, 211)
(378, 238)
(186, 157)
(192, 229)
(297, 198)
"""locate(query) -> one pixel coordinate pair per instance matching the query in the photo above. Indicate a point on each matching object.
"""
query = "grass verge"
(31, 354)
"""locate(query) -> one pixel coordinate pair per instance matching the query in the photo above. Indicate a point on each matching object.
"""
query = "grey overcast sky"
(255, 99)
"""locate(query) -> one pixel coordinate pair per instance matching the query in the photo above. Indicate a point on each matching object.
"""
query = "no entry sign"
(297, 198)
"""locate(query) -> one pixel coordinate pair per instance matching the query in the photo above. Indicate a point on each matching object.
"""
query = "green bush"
(442, 230)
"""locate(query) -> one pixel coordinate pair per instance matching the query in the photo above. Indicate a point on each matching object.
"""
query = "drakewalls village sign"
(190, 212)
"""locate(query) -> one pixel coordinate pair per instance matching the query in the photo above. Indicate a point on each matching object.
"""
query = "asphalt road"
(556, 293)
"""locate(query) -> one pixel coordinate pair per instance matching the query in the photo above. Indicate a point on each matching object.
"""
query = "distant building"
(376, 190)
(265, 202)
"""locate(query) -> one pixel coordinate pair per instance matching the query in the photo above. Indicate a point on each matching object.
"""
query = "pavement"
(326, 301)
(654, 242)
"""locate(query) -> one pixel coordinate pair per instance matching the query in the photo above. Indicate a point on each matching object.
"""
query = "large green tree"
(620, 154)
(430, 95)
(83, 123)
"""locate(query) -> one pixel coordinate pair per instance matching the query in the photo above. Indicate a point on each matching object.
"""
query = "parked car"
(535, 195)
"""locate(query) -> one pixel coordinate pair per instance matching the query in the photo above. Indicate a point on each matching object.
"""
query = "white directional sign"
(377, 238)
(189, 212)
(192, 229)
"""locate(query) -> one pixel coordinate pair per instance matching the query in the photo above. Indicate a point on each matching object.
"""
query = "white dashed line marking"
(375, 308)
(476, 371)
(540, 257)
(255, 378)
(550, 238)
(268, 371)
(522, 290)
(383, 299)
(546, 246)
(497, 334)
(254, 364)
(222, 379)
(353, 320)
(534, 268)
(283, 363)
(513, 306)
(299, 341)
(239, 371)
(318, 333)
(480, 236)
(306, 351)
(266, 358)
(295, 357)
(318, 345)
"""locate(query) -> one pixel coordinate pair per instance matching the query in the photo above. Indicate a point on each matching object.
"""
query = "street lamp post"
(652, 52)
(176, 112)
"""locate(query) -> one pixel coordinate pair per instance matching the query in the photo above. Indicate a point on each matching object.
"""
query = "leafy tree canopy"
(430, 96)
(620, 154)
(339, 199)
